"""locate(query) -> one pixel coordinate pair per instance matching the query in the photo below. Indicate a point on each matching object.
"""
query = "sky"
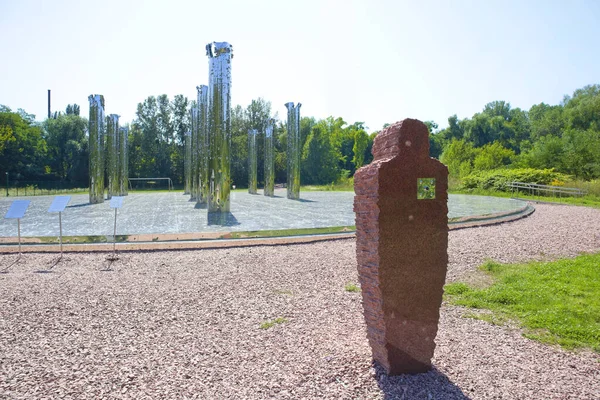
(372, 61)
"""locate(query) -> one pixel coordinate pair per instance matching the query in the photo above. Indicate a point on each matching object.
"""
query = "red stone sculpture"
(402, 246)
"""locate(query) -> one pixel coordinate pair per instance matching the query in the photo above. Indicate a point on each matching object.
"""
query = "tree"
(258, 113)
(435, 141)
(67, 147)
(361, 142)
(492, 156)
(459, 156)
(454, 130)
(180, 113)
(149, 142)
(582, 110)
(498, 109)
(239, 146)
(72, 109)
(23, 148)
(546, 120)
(319, 160)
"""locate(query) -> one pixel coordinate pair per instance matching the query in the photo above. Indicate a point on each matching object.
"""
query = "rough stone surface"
(401, 247)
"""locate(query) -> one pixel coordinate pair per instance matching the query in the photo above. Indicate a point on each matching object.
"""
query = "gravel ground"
(186, 324)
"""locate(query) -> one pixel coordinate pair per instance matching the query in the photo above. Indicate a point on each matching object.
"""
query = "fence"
(546, 190)
(49, 187)
(41, 188)
(150, 183)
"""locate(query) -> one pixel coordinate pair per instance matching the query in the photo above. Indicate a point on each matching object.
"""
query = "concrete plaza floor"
(172, 212)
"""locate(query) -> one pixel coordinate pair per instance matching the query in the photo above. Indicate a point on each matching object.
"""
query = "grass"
(343, 185)
(555, 302)
(271, 323)
(590, 200)
(83, 239)
(31, 191)
(352, 288)
(290, 232)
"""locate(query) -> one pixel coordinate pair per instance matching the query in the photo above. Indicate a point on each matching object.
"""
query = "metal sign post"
(17, 211)
(58, 205)
(116, 202)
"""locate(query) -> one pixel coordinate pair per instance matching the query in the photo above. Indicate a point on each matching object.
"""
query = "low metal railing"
(547, 190)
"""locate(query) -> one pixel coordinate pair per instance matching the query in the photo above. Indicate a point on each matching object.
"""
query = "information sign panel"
(116, 201)
(59, 203)
(17, 209)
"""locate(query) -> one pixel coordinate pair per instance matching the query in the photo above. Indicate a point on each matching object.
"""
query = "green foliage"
(457, 288)
(563, 137)
(546, 120)
(271, 323)
(361, 142)
(556, 302)
(23, 150)
(67, 147)
(73, 109)
(289, 232)
(492, 156)
(352, 288)
(319, 158)
(156, 138)
(459, 155)
(496, 179)
(590, 200)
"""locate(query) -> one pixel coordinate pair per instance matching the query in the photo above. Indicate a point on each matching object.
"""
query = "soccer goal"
(150, 184)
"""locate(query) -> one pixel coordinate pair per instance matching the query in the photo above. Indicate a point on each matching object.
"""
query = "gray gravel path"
(186, 324)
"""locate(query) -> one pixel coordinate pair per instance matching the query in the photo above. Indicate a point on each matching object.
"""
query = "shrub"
(496, 179)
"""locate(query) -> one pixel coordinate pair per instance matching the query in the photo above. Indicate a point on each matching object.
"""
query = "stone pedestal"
(401, 246)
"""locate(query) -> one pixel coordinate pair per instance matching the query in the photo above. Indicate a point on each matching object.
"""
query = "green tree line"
(565, 137)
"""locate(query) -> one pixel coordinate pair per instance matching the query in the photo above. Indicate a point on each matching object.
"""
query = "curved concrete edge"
(492, 219)
(192, 243)
(175, 245)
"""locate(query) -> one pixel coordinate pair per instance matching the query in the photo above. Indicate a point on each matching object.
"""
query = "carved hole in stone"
(425, 188)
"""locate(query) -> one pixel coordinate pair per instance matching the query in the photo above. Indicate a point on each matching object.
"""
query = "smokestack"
(49, 112)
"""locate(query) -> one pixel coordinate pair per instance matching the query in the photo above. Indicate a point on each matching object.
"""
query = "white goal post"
(169, 181)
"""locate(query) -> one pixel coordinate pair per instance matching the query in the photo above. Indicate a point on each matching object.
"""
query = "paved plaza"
(172, 212)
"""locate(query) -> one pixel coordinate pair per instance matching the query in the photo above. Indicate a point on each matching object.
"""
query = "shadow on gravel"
(430, 385)
(80, 205)
(6, 269)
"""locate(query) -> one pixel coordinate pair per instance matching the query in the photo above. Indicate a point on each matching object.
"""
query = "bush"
(496, 179)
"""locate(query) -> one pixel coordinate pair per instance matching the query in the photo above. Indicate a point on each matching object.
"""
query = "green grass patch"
(82, 239)
(343, 185)
(352, 288)
(290, 232)
(271, 323)
(555, 302)
(589, 200)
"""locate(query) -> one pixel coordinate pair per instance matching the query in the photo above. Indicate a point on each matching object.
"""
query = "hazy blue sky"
(372, 61)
